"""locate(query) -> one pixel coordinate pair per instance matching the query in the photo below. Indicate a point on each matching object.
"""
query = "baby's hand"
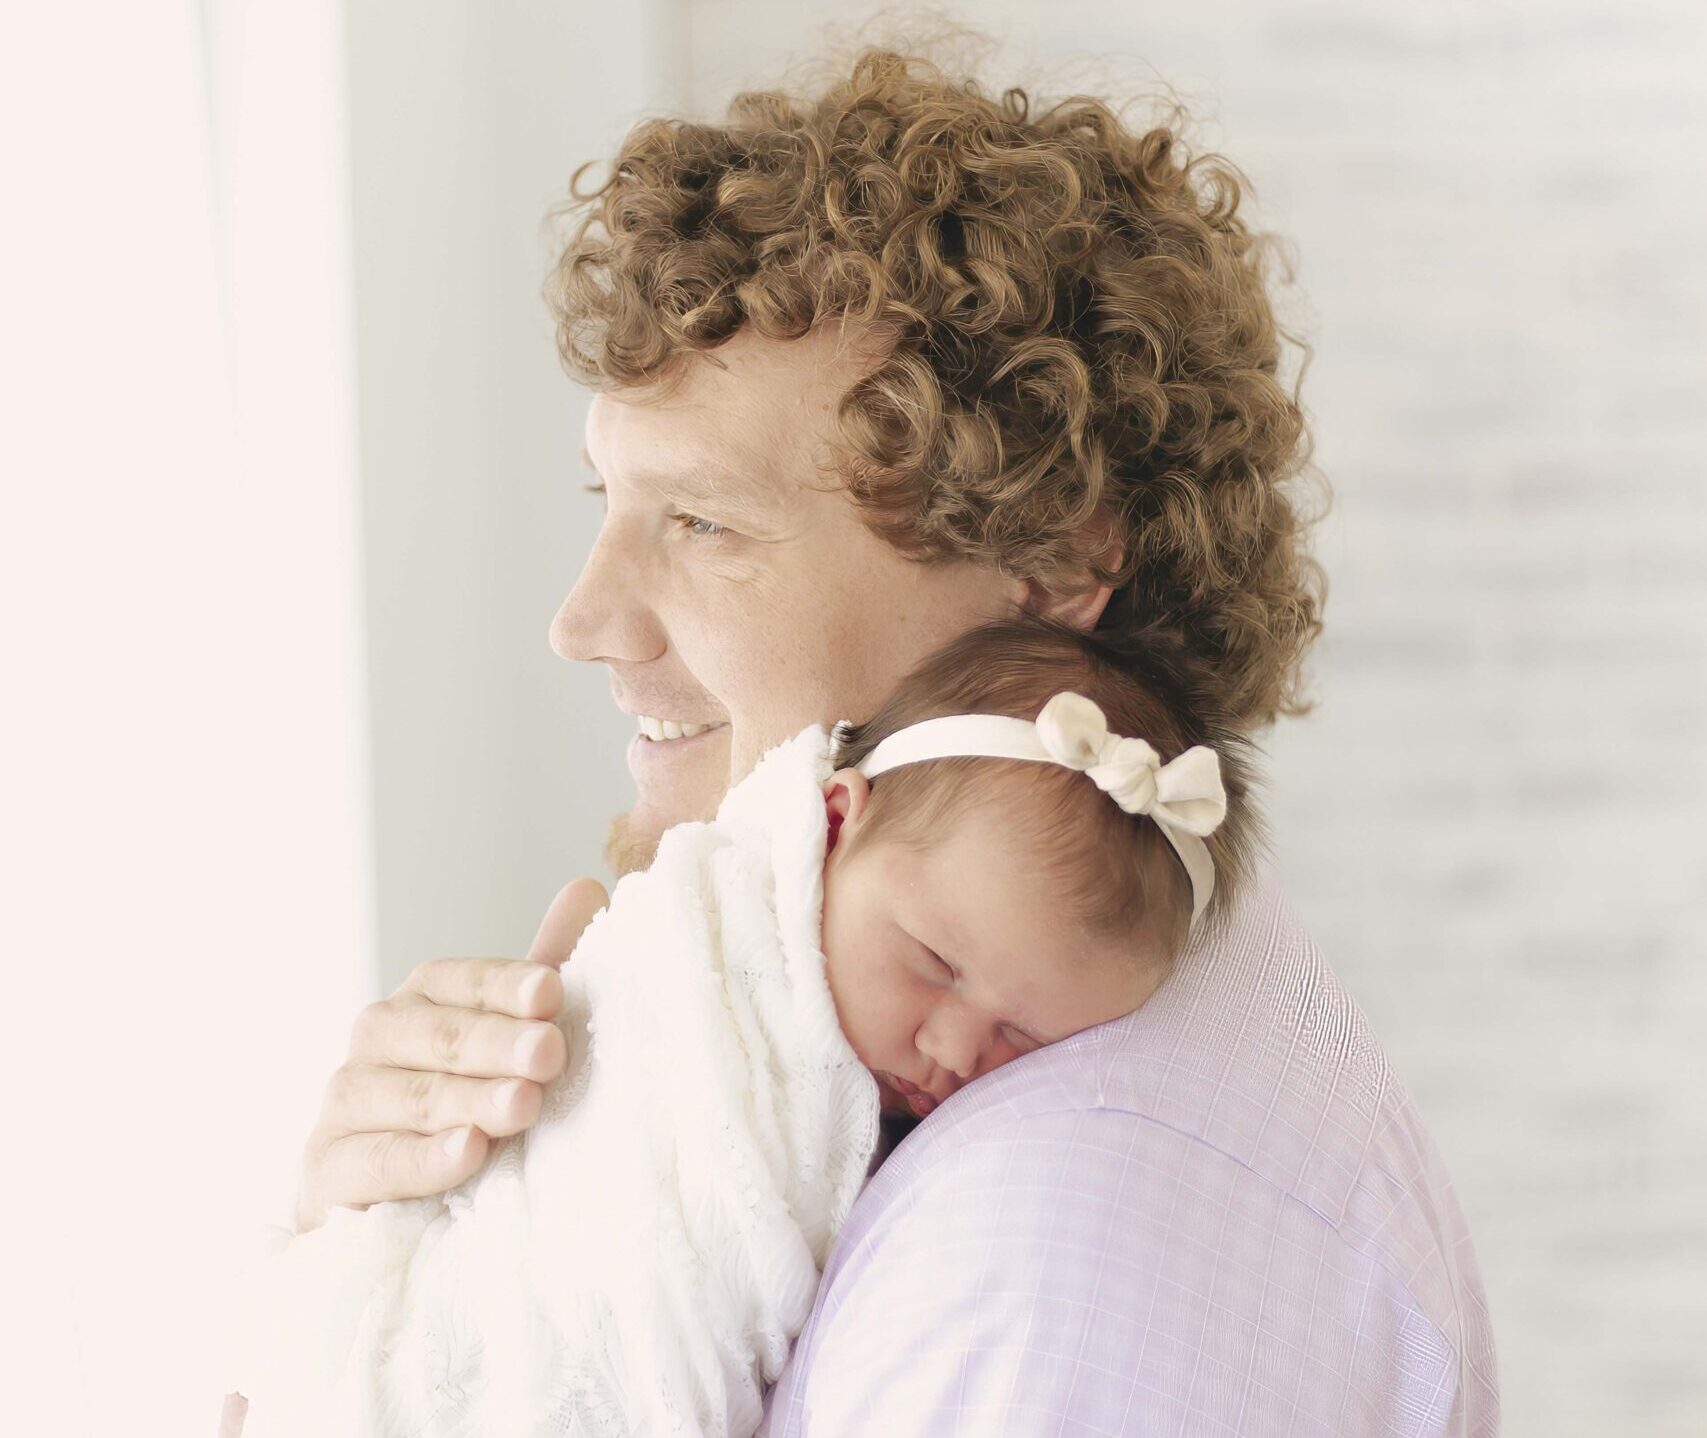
(456, 1057)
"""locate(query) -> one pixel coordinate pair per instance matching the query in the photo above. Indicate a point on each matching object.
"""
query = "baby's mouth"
(920, 1102)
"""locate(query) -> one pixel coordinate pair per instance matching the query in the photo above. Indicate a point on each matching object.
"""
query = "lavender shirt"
(1217, 1215)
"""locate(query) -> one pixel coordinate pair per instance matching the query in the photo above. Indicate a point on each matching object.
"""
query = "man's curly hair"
(1076, 323)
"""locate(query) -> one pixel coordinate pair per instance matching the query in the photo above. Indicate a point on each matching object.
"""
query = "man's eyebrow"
(704, 483)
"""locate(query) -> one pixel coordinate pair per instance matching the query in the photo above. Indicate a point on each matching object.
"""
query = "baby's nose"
(958, 1046)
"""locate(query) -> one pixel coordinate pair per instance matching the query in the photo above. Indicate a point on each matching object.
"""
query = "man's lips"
(662, 756)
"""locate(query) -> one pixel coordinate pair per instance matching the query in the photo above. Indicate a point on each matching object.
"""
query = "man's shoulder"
(1094, 1268)
(1250, 1079)
(1221, 1210)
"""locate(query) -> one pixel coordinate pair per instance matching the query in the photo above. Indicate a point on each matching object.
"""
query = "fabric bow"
(1185, 794)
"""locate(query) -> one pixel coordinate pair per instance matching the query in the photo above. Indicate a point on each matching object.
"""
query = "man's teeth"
(670, 728)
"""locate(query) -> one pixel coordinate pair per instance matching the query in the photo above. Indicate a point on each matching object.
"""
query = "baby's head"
(976, 908)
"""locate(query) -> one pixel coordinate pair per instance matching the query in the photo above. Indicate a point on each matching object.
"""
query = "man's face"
(734, 585)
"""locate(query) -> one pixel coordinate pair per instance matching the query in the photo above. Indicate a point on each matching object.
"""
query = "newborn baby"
(988, 871)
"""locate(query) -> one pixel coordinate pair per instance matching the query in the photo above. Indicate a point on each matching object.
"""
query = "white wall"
(496, 765)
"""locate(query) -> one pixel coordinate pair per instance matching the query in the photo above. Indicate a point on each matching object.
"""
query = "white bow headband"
(1184, 797)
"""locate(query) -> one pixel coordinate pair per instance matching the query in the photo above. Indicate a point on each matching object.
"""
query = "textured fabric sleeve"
(1093, 1272)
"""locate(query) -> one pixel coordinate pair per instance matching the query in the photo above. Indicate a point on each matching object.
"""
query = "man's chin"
(630, 846)
(632, 843)
(676, 782)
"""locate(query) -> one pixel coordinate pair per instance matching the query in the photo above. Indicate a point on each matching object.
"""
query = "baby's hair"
(1118, 875)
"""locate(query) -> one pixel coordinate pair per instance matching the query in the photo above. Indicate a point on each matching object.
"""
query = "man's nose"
(608, 614)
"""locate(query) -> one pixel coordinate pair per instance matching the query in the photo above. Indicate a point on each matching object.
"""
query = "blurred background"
(292, 492)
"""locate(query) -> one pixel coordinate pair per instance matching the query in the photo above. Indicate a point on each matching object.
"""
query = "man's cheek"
(701, 638)
(771, 668)
(769, 665)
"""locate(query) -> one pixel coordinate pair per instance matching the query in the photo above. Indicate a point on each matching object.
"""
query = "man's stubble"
(632, 843)
(629, 848)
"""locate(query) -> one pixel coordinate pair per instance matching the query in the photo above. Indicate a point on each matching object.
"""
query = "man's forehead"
(734, 457)
(663, 467)
(752, 419)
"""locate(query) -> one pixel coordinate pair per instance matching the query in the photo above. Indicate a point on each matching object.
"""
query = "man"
(872, 369)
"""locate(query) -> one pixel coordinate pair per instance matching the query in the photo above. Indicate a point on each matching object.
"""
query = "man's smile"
(650, 758)
(660, 730)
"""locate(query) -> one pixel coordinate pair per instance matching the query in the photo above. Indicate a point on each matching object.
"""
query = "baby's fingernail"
(455, 1143)
(504, 1096)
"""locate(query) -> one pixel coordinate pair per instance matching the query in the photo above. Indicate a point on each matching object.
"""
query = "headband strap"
(1184, 797)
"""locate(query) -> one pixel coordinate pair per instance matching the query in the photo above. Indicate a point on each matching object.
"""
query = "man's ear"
(845, 794)
(1082, 606)
(1079, 610)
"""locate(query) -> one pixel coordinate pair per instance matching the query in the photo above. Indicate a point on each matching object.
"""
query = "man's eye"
(700, 528)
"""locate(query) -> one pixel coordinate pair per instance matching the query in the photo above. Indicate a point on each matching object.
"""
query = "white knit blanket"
(639, 1261)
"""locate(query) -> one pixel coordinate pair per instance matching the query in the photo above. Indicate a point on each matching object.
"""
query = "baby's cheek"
(845, 994)
(1002, 1051)
(833, 976)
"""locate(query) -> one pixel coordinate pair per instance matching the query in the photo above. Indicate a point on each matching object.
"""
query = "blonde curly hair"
(1076, 319)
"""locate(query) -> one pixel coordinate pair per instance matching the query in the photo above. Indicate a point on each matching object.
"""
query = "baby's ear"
(845, 794)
